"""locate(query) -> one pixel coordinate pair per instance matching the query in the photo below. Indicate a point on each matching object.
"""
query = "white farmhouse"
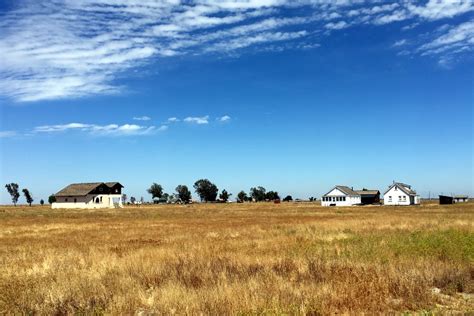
(90, 195)
(341, 195)
(400, 194)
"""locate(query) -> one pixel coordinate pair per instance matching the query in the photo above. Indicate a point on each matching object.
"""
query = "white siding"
(89, 201)
(395, 196)
(336, 195)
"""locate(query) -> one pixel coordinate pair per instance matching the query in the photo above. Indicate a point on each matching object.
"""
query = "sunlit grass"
(296, 258)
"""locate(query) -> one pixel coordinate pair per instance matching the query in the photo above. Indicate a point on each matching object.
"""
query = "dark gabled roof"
(81, 189)
(111, 184)
(402, 186)
(344, 189)
(367, 192)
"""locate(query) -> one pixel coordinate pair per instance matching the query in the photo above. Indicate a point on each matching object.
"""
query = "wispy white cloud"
(438, 9)
(400, 43)
(101, 130)
(112, 129)
(7, 134)
(337, 25)
(224, 118)
(450, 43)
(142, 118)
(64, 49)
(197, 120)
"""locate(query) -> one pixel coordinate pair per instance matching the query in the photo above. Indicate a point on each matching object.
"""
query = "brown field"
(237, 259)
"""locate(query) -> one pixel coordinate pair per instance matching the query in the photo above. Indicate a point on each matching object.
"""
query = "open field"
(237, 259)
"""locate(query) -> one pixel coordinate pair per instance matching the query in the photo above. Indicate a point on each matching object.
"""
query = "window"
(344, 198)
(97, 200)
(75, 200)
(396, 189)
(404, 198)
(390, 198)
(399, 197)
(65, 200)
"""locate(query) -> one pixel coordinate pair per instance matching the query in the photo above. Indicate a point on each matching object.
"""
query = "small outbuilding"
(461, 198)
(444, 199)
(369, 196)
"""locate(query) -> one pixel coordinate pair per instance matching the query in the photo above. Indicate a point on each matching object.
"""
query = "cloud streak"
(70, 49)
(142, 118)
(197, 120)
(223, 119)
(113, 129)
(99, 130)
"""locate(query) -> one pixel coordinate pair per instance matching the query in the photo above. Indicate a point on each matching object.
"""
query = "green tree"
(28, 197)
(242, 197)
(124, 198)
(12, 189)
(51, 199)
(258, 194)
(132, 200)
(206, 190)
(155, 190)
(288, 198)
(272, 196)
(224, 196)
(42, 202)
(183, 193)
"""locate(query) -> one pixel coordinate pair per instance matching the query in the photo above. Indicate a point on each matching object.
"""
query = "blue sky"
(295, 96)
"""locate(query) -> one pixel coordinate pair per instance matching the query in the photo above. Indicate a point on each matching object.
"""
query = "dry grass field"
(237, 259)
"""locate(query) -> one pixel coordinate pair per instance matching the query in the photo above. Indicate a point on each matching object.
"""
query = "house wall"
(88, 201)
(350, 200)
(399, 198)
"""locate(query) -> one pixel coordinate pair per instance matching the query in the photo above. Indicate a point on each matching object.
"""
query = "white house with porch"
(341, 195)
(400, 194)
(90, 195)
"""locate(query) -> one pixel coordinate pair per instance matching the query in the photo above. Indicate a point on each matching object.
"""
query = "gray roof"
(82, 189)
(368, 192)
(461, 197)
(344, 189)
(402, 186)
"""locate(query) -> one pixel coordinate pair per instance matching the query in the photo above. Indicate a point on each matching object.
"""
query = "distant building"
(400, 194)
(444, 199)
(342, 195)
(461, 198)
(90, 195)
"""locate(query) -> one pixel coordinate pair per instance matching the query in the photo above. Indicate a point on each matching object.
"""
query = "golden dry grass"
(237, 259)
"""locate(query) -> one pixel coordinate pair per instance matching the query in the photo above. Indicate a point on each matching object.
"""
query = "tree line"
(208, 192)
